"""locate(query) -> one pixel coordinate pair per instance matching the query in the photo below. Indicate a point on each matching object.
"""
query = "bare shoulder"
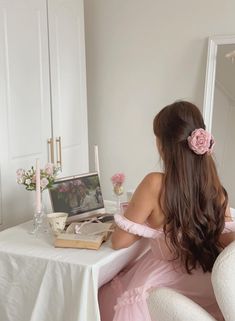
(144, 198)
(153, 180)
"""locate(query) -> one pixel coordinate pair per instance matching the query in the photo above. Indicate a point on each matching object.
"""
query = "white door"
(25, 116)
(68, 84)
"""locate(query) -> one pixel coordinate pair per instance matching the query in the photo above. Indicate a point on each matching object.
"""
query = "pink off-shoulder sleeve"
(229, 227)
(135, 228)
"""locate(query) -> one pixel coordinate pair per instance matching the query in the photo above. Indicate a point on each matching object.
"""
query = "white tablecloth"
(41, 283)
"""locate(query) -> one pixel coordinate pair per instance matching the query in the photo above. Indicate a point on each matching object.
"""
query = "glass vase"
(118, 191)
(118, 202)
(40, 224)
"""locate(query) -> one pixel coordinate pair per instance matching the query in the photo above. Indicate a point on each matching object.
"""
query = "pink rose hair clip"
(201, 141)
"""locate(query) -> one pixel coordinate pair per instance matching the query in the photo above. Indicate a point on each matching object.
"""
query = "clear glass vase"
(118, 191)
(40, 224)
(118, 202)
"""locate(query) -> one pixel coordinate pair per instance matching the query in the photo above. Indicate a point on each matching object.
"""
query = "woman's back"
(156, 219)
(182, 212)
(128, 291)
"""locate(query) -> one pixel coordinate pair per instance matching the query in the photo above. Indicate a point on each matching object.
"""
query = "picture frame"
(80, 196)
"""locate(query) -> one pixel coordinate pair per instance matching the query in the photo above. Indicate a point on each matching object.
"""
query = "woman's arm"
(228, 216)
(139, 209)
(227, 238)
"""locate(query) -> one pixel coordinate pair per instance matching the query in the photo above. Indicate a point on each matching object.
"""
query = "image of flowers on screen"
(77, 195)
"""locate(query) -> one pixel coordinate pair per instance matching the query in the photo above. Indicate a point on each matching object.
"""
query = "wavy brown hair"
(192, 198)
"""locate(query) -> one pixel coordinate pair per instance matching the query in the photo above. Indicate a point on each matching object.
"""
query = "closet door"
(25, 117)
(68, 84)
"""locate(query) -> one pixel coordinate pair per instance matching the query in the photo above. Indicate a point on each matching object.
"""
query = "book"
(86, 235)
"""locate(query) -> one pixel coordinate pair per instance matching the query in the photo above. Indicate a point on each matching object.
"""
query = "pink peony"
(201, 141)
(49, 168)
(20, 172)
(118, 178)
(44, 183)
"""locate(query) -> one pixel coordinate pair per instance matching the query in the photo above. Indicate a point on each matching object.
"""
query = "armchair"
(167, 305)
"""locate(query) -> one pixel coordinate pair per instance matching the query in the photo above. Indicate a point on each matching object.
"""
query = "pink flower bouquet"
(118, 179)
(28, 177)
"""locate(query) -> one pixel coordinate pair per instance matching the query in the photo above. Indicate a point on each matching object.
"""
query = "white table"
(41, 283)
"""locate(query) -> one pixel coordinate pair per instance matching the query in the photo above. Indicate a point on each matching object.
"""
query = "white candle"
(38, 187)
(97, 164)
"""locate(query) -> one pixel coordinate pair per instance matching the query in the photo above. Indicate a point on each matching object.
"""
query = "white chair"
(223, 281)
(167, 305)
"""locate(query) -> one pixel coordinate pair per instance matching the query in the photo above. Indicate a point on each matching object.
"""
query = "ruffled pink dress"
(124, 298)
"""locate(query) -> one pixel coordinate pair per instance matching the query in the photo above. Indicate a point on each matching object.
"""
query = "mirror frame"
(208, 102)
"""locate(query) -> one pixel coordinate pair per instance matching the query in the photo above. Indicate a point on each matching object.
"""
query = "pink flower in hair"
(201, 141)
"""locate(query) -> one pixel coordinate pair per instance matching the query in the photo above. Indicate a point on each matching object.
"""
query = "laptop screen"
(80, 196)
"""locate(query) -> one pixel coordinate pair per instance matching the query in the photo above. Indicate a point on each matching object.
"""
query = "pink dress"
(124, 298)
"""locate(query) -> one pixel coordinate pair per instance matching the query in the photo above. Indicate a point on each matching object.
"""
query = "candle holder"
(38, 180)
(40, 224)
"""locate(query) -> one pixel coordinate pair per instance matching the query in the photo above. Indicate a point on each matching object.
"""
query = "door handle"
(50, 144)
(58, 152)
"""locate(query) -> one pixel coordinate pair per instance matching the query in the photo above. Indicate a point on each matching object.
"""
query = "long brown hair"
(192, 198)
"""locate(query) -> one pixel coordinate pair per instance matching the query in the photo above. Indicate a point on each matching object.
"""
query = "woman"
(184, 212)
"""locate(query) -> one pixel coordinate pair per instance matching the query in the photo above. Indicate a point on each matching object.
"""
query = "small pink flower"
(20, 172)
(201, 141)
(49, 168)
(44, 182)
(118, 178)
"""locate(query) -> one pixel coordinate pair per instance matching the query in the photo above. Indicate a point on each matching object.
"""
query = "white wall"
(142, 55)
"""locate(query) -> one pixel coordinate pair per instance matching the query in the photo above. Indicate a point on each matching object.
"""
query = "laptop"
(80, 196)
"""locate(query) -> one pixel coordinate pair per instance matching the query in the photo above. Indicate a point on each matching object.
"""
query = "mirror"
(219, 107)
